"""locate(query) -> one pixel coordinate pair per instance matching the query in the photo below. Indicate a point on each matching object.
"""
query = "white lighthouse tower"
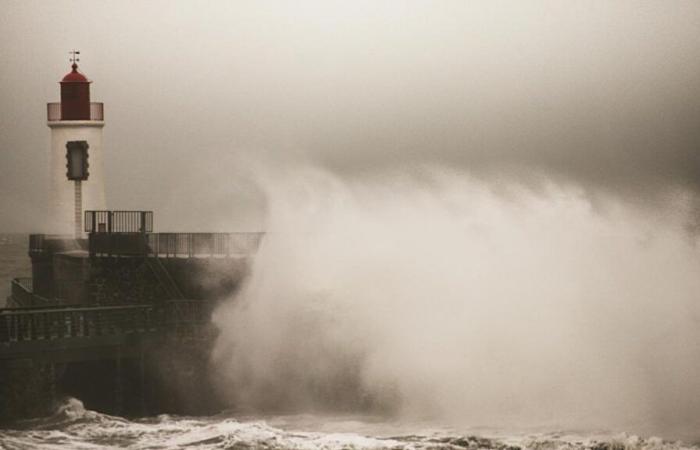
(77, 181)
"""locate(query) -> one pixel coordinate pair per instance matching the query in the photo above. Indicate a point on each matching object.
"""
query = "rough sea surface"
(74, 427)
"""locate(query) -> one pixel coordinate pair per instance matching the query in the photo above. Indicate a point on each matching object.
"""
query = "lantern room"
(75, 96)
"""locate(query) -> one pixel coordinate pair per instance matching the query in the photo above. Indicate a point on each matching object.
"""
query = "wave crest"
(74, 426)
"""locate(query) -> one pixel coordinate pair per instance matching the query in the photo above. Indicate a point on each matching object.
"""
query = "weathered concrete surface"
(132, 377)
(75, 278)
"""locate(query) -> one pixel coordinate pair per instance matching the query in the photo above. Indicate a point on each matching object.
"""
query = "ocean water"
(74, 427)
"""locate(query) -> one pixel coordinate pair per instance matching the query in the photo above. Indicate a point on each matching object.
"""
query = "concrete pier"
(141, 359)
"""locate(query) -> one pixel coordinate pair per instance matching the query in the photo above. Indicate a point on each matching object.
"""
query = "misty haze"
(351, 225)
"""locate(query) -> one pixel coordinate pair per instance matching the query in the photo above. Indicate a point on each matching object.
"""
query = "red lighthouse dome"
(74, 76)
(75, 96)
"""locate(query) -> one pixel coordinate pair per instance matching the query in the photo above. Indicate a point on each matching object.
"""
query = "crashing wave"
(74, 427)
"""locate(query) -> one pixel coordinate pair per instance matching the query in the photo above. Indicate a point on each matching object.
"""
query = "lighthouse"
(76, 172)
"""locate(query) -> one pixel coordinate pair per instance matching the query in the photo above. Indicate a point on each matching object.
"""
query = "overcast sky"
(601, 94)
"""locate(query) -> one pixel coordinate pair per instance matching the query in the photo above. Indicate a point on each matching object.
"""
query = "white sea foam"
(91, 430)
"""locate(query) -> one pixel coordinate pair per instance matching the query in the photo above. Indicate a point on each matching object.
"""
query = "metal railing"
(22, 293)
(24, 283)
(53, 112)
(203, 244)
(118, 221)
(33, 324)
(167, 245)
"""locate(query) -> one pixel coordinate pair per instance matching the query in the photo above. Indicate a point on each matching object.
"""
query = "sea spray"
(471, 302)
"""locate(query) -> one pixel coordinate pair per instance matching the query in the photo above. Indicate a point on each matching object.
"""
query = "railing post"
(142, 380)
(24, 328)
(97, 320)
(118, 385)
(35, 326)
(52, 382)
(4, 329)
(73, 324)
(13, 326)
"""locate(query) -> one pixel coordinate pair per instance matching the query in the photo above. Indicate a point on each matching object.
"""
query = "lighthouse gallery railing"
(118, 221)
(53, 111)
